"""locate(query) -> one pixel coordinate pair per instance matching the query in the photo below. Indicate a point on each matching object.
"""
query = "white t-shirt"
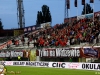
(1, 74)
(1, 71)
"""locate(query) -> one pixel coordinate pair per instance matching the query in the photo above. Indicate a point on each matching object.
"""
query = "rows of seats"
(74, 33)
(4, 39)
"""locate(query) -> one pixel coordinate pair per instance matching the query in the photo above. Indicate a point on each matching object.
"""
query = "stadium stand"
(81, 32)
(4, 39)
(76, 33)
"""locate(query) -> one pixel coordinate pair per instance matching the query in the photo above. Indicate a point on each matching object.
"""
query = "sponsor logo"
(91, 66)
(90, 52)
(73, 65)
(9, 63)
(58, 65)
(40, 64)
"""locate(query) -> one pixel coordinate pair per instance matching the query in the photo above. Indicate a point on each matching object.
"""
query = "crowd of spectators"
(76, 32)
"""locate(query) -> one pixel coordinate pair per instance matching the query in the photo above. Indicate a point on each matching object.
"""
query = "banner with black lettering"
(67, 65)
(59, 65)
(27, 63)
(91, 66)
(82, 66)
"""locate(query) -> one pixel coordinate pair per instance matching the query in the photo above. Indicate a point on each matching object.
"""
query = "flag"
(91, 1)
(68, 4)
(83, 2)
(75, 3)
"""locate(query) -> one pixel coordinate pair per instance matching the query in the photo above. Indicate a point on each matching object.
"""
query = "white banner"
(67, 65)
(48, 24)
(27, 63)
(80, 17)
(89, 16)
(59, 52)
(11, 53)
(43, 25)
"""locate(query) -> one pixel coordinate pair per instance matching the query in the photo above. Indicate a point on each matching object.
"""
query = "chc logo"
(73, 65)
(58, 65)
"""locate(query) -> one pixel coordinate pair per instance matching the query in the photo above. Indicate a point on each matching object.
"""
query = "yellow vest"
(19, 57)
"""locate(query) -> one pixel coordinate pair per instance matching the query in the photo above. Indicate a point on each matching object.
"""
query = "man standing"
(19, 58)
(70, 60)
(2, 70)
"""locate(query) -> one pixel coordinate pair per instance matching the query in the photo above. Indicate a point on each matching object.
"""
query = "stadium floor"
(47, 71)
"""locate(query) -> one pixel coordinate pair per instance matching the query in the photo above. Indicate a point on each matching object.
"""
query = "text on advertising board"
(67, 65)
(91, 66)
(58, 65)
(42, 64)
(59, 52)
(73, 65)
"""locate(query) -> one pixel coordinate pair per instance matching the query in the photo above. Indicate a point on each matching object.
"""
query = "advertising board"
(66, 65)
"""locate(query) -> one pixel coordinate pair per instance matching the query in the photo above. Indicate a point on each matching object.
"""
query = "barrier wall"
(66, 65)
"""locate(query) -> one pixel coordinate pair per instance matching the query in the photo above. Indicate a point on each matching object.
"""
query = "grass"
(47, 71)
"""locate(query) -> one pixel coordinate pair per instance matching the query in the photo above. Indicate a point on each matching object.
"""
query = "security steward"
(19, 58)
(70, 60)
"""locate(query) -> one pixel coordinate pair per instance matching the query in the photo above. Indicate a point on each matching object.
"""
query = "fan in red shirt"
(62, 43)
(57, 43)
(41, 41)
